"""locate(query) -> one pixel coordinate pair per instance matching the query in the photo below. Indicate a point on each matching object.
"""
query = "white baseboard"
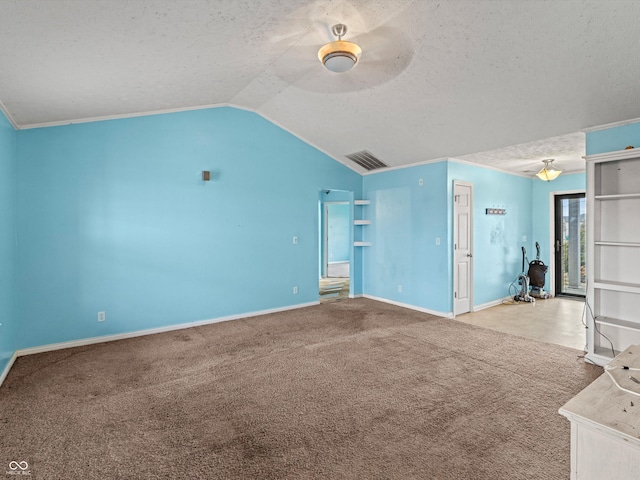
(5, 372)
(500, 301)
(151, 331)
(411, 307)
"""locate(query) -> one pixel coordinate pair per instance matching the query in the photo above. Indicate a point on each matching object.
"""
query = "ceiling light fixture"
(548, 172)
(339, 56)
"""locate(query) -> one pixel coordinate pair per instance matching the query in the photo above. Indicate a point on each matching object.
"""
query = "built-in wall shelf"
(616, 322)
(618, 244)
(616, 286)
(620, 196)
(361, 222)
(613, 292)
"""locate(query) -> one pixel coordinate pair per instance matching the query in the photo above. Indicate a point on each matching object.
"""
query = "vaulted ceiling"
(505, 83)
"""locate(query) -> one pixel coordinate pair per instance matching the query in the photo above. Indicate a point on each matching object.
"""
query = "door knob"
(469, 255)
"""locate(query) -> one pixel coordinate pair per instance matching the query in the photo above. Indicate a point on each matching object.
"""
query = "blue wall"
(339, 226)
(613, 139)
(497, 239)
(406, 219)
(8, 318)
(113, 216)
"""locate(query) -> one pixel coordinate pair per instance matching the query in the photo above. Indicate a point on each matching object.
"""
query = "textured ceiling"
(436, 79)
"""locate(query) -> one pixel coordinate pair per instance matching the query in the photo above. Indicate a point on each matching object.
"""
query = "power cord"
(513, 297)
(609, 369)
(595, 325)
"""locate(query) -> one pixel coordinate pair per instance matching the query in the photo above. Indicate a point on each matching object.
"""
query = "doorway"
(570, 244)
(336, 235)
(462, 247)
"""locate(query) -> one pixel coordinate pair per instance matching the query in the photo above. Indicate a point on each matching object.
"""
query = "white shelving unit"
(361, 222)
(613, 253)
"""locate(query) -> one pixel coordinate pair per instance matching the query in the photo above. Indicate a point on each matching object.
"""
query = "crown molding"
(402, 167)
(103, 118)
(8, 116)
(177, 110)
(607, 126)
(615, 155)
(489, 167)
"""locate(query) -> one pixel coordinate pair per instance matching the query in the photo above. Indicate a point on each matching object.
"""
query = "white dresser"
(605, 424)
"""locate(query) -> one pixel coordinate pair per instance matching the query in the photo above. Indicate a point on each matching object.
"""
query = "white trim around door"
(462, 247)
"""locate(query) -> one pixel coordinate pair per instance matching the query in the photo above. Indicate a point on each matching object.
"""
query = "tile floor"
(555, 320)
(332, 289)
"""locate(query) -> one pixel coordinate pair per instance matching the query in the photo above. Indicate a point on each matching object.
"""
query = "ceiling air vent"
(366, 160)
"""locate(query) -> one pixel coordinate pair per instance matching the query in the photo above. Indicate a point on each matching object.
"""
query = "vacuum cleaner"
(536, 274)
(523, 281)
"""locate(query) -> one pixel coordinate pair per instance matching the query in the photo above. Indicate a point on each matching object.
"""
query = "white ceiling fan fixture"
(339, 56)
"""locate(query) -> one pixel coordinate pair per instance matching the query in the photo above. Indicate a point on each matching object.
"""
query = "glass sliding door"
(570, 245)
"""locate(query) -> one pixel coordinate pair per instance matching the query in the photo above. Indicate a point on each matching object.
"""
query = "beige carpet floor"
(345, 390)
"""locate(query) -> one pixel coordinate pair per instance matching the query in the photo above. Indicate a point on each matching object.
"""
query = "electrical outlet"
(399, 288)
(295, 290)
(420, 182)
(295, 240)
(102, 316)
(437, 240)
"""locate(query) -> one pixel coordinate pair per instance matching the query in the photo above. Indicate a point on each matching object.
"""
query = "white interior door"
(462, 247)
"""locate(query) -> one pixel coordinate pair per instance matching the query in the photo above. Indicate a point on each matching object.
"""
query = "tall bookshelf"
(613, 253)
